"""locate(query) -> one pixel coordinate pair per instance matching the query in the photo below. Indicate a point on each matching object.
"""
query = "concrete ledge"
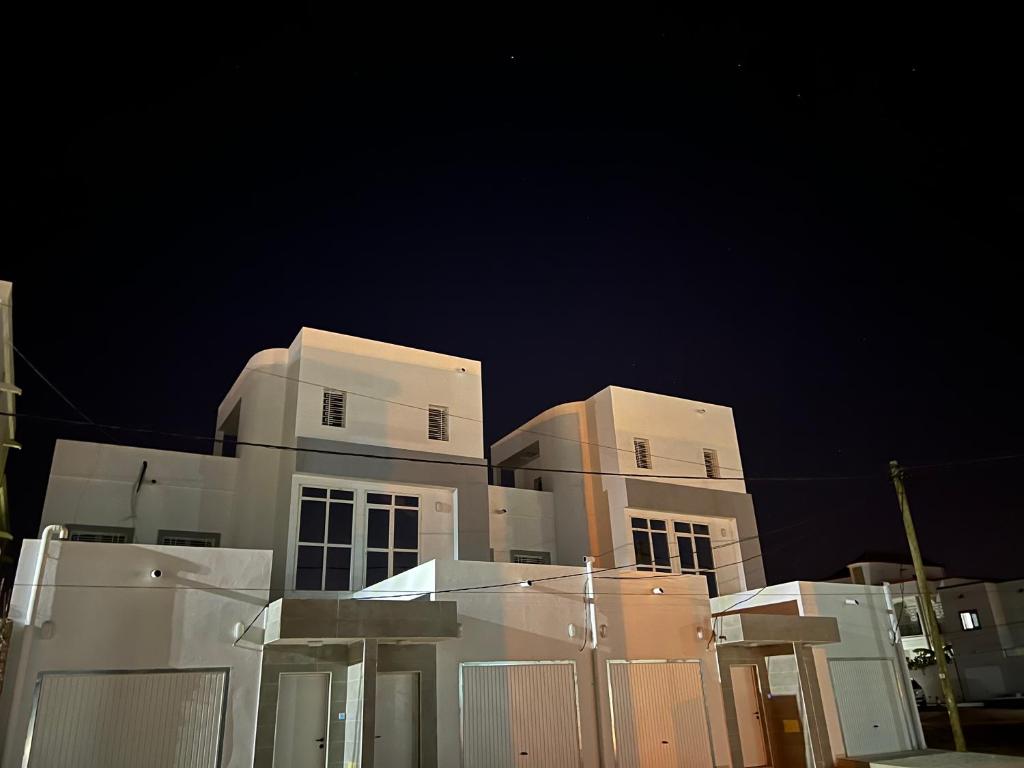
(764, 628)
(292, 620)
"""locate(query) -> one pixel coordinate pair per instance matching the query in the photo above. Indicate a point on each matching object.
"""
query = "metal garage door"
(870, 706)
(114, 719)
(519, 714)
(659, 717)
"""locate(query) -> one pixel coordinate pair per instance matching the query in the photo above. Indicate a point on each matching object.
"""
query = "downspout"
(28, 634)
(594, 666)
(903, 679)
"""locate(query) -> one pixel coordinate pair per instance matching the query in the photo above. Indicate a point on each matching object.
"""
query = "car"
(919, 698)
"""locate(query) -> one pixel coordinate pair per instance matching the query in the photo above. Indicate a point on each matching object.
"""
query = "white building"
(415, 615)
(982, 621)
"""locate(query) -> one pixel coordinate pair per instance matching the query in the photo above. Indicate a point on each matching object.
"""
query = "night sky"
(816, 221)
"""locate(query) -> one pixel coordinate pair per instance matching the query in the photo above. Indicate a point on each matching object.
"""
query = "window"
(102, 534)
(188, 539)
(334, 408)
(392, 535)
(969, 620)
(642, 451)
(653, 542)
(650, 544)
(324, 557)
(437, 422)
(907, 617)
(711, 468)
(530, 558)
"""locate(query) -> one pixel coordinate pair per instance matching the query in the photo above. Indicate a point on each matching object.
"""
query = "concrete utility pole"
(925, 600)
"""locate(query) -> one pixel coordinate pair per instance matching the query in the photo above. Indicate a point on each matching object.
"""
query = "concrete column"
(818, 747)
(361, 694)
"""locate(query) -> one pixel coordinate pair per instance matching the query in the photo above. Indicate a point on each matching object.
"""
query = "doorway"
(397, 720)
(749, 714)
(300, 739)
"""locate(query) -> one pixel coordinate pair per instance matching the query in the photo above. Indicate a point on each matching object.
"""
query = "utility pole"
(925, 599)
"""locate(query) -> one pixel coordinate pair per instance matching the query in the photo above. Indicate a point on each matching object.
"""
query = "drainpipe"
(28, 632)
(594, 666)
(37, 576)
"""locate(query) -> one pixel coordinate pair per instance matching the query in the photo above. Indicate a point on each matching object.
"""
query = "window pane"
(698, 528)
(376, 567)
(660, 541)
(309, 568)
(405, 560)
(312, 516)
(682, 527)
(318, 493)
(638, 522)
(704, 556)
(685, 544)
(406, 501)
(712, 583)
(377, 528)
(406, 529)
(642, 547)
(657, 525)
(339, 564)
(342, 495)
(378, 498)
(339, 531)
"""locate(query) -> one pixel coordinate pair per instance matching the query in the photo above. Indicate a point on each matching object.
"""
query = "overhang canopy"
(298, 622)
(773, 629)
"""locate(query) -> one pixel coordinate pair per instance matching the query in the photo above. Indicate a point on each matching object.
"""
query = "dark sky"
(817, 221)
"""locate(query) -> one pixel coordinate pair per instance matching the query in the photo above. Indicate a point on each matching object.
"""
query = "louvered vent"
(437, 424)
(711, 463)
(642, 449)
(334, 408)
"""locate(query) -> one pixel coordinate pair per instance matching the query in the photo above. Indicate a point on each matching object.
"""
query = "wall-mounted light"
(658, 591)
(525, 583)
(501, 511)
(851, 601)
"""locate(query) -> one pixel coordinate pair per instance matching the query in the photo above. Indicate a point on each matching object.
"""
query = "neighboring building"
(825, 693)
(385, 635)
(644, 478)
(982, 621)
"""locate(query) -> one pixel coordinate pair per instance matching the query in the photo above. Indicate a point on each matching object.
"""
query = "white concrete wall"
(100, 609)
(521, 519)
(389, 391)
(93, 483)
(533, 624)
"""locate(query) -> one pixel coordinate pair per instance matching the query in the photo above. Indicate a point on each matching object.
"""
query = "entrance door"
(397, 720)
(748, 714)
(300, 740)
(659, 719)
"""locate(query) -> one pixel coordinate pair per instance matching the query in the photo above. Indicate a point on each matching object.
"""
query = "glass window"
(704, 557)
(642, 547)
(657, 525)
(378, 498)
(407, 501)
(377, 528)
(969, 620)
(685, 545)
(406, 525)
(638, 522)
(376, 567)
(403, 561)
(660, 546)
(324, 555)
(701, 529)
(682, 527)
(712, 583)
(689, 550)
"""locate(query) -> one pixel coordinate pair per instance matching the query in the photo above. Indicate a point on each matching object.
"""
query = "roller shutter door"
(167, 718)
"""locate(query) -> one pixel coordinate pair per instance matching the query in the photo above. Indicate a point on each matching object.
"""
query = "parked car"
(918, 693)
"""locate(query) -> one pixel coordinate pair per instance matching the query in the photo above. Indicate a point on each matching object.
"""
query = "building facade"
(411, 613)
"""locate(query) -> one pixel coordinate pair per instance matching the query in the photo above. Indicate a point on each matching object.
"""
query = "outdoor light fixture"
(525, 583)
(851, 601)
(501, 511)
(658, 591)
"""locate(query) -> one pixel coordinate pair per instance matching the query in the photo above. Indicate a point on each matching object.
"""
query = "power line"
(418, 460)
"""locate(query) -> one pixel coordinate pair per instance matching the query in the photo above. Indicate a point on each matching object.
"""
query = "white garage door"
(659, 716)
(870, 706)
(112, 719)
(519, 714)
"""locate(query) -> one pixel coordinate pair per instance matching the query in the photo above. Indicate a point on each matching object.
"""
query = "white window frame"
(324, 544)
(675, 562)
(391, 549)
(357, 563)
(969, 620)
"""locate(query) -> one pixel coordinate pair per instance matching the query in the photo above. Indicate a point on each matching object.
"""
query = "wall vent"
(642, 449)
(437, 423)
(334, 408)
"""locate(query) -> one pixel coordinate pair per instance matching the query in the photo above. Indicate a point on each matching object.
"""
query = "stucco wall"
(94, 483)
(104, 611)
(521, 519)
(533, 624)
